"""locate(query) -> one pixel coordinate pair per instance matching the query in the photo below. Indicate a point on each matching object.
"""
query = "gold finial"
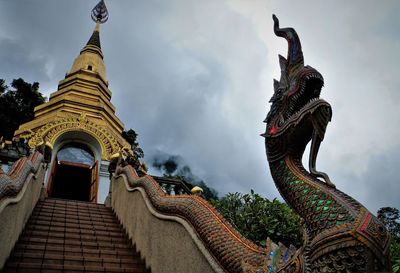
(100, 13)
(197, 190)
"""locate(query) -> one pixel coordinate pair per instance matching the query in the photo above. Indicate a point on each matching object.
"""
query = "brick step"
(73, 223)
(62, 214)
(49, 208)
(73, 220)
(78, 210)
(73, 236)
(73, 243)
(51, 268)
(73, 217)
(87, 260)
(76, 251)
(70, 203)
(115, 233)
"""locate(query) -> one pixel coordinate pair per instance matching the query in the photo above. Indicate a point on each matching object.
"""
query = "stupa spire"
(95, 38)
(91, 56)
(99, 14)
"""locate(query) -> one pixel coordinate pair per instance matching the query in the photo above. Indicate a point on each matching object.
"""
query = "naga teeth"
(313, 75)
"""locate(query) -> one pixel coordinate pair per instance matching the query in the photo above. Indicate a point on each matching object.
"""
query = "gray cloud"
(194, 77)
(378, 184)
(19, 62)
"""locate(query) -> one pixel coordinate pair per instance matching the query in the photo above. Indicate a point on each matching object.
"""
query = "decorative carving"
(12, 182)
(11, 151)
(27, 134)
(52, 130)
(342, 235)
(234, 252)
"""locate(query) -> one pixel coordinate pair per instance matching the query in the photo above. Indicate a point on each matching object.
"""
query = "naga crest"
(297, 114)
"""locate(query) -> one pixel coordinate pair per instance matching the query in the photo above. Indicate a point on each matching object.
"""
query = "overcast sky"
(193, 78)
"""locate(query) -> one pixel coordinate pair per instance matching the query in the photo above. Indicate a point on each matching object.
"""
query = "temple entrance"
(74, 174)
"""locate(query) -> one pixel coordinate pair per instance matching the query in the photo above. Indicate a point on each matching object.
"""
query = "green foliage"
(396, 267)
(390, 217)
(3, 86)
(257, 218)
(131, 137)
(395, 252)
(17, 105)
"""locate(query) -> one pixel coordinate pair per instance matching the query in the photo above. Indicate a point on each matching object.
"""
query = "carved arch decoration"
(52, 130)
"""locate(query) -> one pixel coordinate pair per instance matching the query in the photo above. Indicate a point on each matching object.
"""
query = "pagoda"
(79, 124)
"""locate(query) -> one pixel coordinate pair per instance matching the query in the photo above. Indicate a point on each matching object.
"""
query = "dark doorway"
(72, 182)
(74, 174)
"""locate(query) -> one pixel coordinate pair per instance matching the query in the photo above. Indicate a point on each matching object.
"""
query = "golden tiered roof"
(82, 102)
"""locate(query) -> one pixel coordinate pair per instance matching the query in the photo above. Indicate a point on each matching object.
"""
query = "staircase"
(73, 236)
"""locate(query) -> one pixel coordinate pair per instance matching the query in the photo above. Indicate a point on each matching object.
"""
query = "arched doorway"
(74, 173)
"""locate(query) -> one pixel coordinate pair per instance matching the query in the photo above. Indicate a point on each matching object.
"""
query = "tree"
(131, 137)
(257, 218)
(390, 217)
(17, 105)
(3, 86)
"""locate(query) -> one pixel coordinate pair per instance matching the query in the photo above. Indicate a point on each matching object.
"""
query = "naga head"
(297, 114)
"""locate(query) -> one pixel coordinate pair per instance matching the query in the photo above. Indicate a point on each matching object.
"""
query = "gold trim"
(53, 130)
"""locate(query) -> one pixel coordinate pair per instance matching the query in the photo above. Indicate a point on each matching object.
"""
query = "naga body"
(341, 234)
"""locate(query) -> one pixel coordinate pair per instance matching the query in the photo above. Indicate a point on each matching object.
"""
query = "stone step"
(76, 251)
(75, 225)
(72, 206)
(51, 268)
(73, 236)
(87, 260)
(72, 243)
(101, 216)
(71, 203)
(74, 219)
(60, 235)
(115, 233)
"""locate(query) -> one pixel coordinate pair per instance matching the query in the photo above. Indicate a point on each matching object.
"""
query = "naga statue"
(341, 235)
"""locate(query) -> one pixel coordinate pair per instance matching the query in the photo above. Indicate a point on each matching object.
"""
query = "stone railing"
(20, 190)
(184, 233)
(172, 186)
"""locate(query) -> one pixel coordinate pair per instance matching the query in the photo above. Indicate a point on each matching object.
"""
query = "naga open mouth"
(307, 92)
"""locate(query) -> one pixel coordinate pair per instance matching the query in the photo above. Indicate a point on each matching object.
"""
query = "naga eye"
(272, 131)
